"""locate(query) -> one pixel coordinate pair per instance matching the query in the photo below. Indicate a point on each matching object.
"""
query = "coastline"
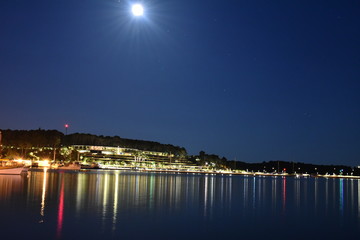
(205, 172)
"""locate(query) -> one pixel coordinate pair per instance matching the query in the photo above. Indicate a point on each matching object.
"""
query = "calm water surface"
(132, 205)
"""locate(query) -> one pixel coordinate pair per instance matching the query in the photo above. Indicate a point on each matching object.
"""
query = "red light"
(66, 125)
(60, 210)
(284, 169)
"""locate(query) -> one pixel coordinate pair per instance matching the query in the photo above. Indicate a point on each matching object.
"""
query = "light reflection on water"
(341, 196)
(115, 203)
(60, 218)
(44, 187)
(358, 198)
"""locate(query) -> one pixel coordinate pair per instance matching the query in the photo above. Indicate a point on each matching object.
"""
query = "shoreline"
(228, 173)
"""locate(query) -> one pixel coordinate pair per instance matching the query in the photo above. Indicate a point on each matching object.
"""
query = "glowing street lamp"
(66, 128)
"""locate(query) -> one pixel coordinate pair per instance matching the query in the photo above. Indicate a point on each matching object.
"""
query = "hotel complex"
(118, 157)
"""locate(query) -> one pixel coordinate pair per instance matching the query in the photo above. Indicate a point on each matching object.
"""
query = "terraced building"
(119, 157)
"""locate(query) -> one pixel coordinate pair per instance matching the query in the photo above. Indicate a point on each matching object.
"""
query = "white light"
(137, 10)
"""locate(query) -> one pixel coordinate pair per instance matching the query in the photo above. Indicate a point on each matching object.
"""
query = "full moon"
(137, 9)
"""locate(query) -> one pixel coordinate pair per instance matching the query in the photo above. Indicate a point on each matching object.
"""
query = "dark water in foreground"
(131, 205)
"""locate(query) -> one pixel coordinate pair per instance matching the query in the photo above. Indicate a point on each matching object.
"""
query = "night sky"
(249, 80)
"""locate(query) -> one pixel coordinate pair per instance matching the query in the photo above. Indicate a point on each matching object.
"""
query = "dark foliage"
(52, 138)
(89, 139)
(210, 160)
(31, 138)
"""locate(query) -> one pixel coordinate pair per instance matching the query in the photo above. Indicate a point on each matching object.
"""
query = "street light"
(66, 128)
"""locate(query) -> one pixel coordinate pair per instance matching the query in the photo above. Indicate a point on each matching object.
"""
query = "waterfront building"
(108, 156)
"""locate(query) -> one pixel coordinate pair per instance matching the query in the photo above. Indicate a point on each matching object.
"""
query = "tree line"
(116, 141)
(31, 138)
(26, 139)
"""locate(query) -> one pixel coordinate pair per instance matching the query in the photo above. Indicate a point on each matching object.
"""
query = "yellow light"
(44, 163)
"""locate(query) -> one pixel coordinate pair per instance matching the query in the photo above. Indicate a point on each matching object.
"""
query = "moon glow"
(137, 10)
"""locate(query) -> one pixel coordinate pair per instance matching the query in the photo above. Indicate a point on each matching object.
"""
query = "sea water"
(101, 204)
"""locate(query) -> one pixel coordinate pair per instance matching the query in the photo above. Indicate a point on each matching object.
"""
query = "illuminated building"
(129, 157)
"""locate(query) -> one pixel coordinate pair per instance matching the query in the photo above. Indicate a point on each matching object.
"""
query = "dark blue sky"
(249, 80)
